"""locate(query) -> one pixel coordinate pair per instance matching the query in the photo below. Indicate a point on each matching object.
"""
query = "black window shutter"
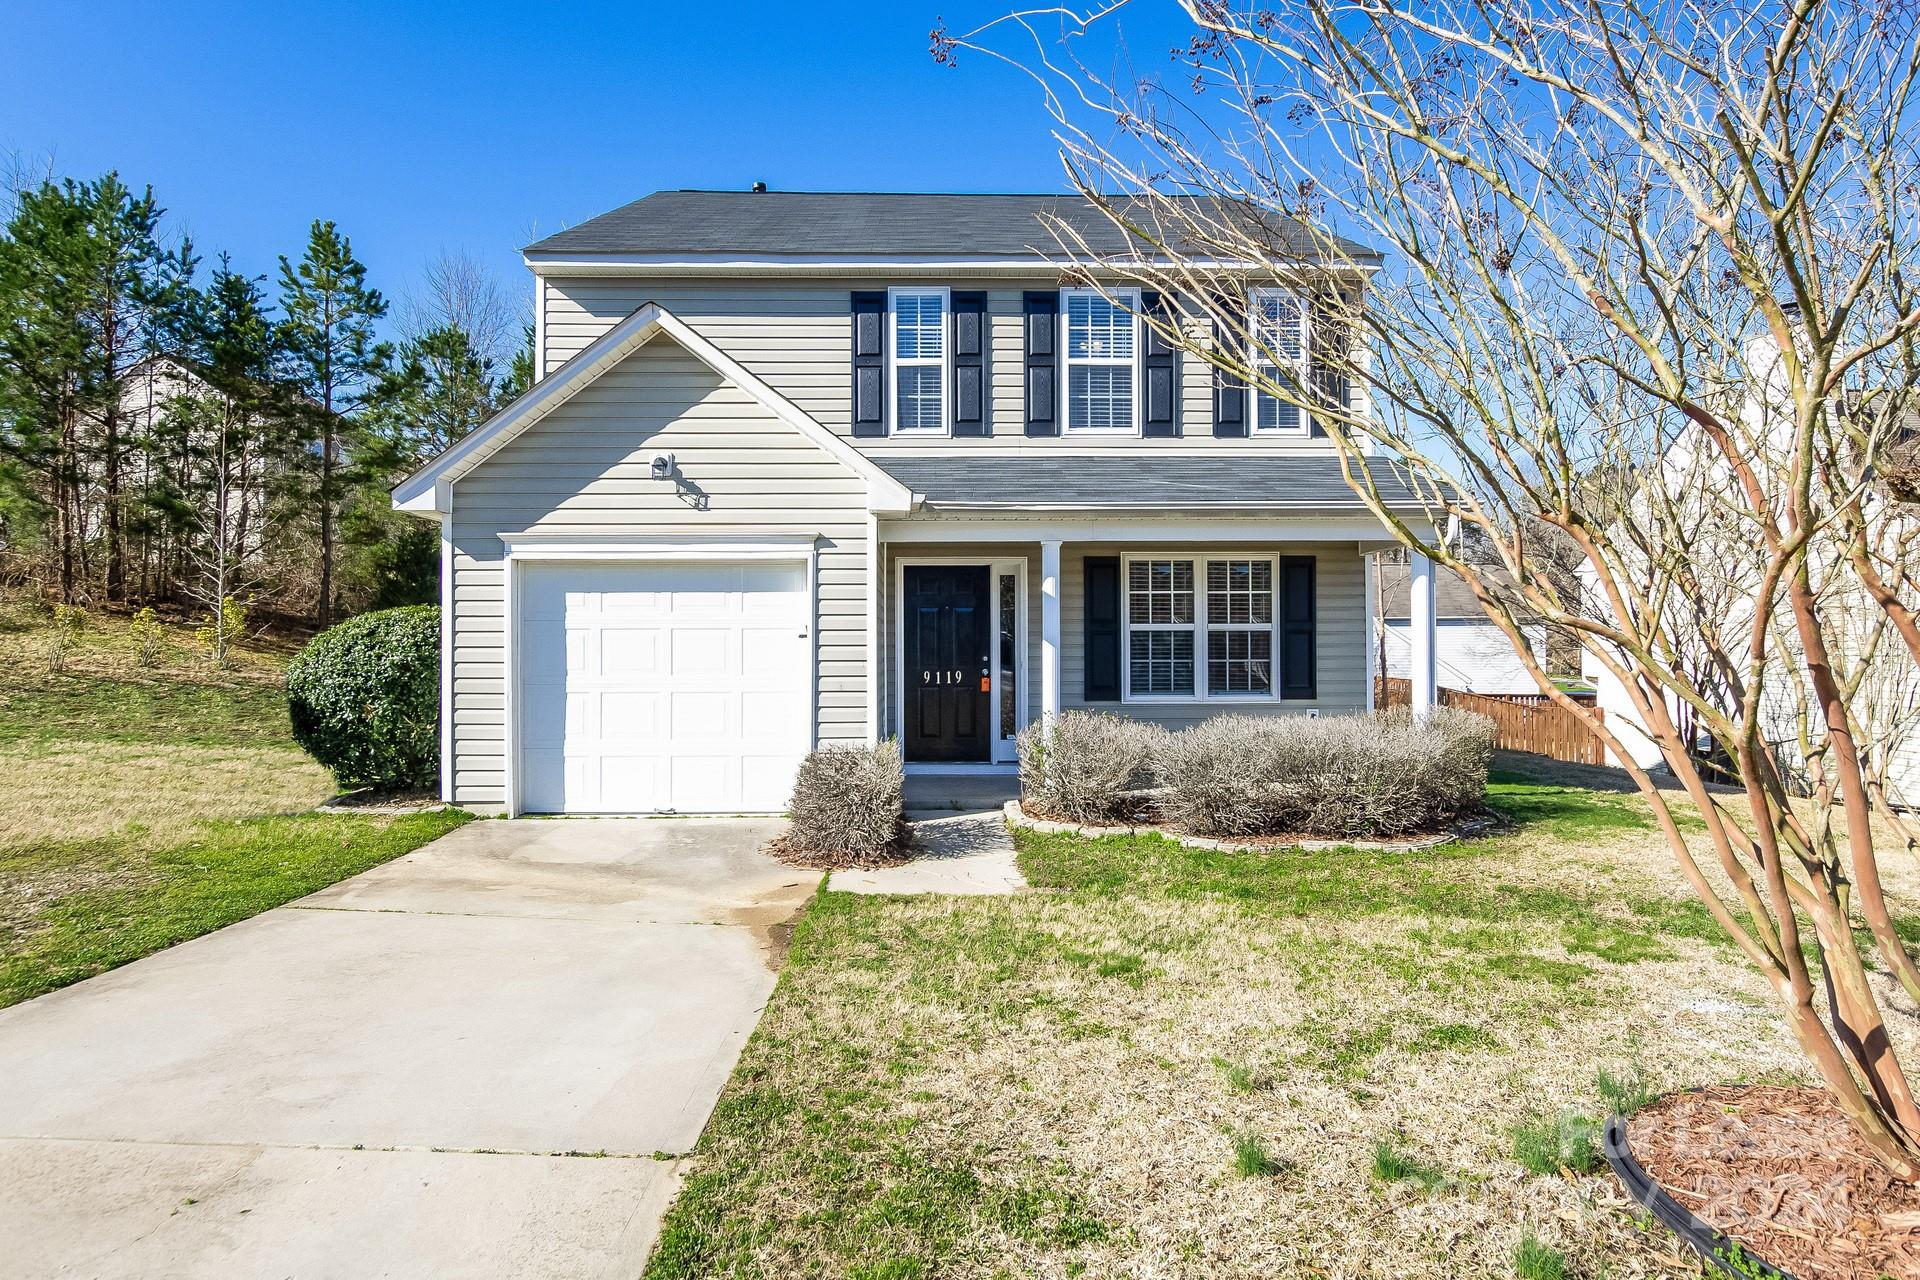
(1327, 361)
(1297, 647)
(1160, 368)
(972, 378)
(1040, 311)
(870, 363)
(1101, 613)
(1229, 388)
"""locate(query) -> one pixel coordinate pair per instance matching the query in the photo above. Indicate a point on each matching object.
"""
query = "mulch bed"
(794, 854)
(1473, 825)
(1780, 1170)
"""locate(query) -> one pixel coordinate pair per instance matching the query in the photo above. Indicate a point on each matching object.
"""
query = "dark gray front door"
(948, 662)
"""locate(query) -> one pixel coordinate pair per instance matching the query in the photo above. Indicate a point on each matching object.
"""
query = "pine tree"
(241, 438)
(134, 291)
(328, 335)
(439, 387)
(43, 347)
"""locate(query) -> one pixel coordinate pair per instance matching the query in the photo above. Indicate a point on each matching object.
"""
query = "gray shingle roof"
(829, 223)
(1169, 482)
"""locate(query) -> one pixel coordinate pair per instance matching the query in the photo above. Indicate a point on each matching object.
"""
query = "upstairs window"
(1102, 337)
(1278, 327)
(919, 347)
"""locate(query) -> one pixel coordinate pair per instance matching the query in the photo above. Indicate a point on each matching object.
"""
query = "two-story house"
(807, 468)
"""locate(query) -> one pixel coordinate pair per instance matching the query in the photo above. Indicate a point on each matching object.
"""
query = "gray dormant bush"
(1082, 765)
(1339, 776)
(846, 807)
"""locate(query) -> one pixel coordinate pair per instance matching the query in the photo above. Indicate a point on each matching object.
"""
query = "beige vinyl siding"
(583, 470)
(797, 335)
(1340, 644)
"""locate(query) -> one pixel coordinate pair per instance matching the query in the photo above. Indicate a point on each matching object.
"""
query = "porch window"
(1278, 326)
(1186, 617)
(1160, 627)
(919, 359)
(1101, 342)
(1239, 626)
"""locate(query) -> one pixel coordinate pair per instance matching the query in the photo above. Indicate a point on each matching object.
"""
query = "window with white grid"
(1240, 627)
(1199, 628)
(1160, 620)
(919, 359)
(1278, 329)
(1101, 340)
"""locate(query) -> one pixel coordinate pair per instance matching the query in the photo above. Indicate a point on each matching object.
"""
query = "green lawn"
(146, 806)
(1171, 1062)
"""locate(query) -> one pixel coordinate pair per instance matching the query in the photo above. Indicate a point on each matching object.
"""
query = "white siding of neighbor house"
(1469, 655)
(583, 470)
(798, 336)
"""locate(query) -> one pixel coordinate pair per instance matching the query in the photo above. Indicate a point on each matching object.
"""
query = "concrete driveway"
(410, 1073)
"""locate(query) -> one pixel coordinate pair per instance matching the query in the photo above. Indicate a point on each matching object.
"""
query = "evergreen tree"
(437, 389)
(242, 437)
(43, 349)
(328, 335)
(134, 293)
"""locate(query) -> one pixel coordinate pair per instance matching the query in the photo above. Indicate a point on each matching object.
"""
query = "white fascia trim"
(1040, 262)
(1148, 532)
(568, 546)
(422, 492)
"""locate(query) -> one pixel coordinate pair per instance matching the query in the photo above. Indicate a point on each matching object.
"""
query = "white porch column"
(1420, 575)
(1049, 630)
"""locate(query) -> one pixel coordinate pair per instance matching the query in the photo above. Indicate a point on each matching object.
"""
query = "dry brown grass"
(1108, 1042)
(72, 791)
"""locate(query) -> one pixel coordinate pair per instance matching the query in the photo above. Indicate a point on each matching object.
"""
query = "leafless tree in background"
(1648, 292)
(458, 291)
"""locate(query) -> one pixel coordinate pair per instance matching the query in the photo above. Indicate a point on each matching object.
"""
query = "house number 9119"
(943, 677)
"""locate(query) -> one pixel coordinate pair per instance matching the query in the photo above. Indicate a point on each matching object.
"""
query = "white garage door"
(650, 688)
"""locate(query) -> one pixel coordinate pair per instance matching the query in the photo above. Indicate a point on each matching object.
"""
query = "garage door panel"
(626, 716)
(629, 784)
(703, 782)
(650, 687)
(699, 716)
(767, 781)
(629, 651)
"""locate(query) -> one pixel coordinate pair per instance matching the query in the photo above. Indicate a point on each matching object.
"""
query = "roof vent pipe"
(759, 188)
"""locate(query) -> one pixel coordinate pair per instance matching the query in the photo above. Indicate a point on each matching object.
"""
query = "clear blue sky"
(477, 126)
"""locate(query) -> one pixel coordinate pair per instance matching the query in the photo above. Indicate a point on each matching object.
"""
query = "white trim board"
(1360, 530)
(428, 490)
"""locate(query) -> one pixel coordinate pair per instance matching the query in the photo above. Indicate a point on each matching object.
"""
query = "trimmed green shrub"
(365, 698)
(847, 808)
(1350, 777)
(1086, 766)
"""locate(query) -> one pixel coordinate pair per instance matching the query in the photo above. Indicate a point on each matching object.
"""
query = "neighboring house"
(807, 469)
(1720, 597)
(1470, 653)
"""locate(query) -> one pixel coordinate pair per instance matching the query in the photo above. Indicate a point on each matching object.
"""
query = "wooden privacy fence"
(1521, 722)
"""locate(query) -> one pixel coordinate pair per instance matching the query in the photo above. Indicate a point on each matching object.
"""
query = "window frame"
(1199, 627)
(1256, 353)
(1128, 300)
(895, 363)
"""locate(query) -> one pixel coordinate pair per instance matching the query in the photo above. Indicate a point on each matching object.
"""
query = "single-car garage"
(679, 686)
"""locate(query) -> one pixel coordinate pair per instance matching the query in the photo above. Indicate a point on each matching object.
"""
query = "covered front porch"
(984, 622)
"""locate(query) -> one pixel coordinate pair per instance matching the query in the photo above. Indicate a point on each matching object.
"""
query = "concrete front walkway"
(410, 1073)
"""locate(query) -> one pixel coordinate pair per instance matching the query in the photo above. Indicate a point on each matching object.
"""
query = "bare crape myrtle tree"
(1644, 324)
